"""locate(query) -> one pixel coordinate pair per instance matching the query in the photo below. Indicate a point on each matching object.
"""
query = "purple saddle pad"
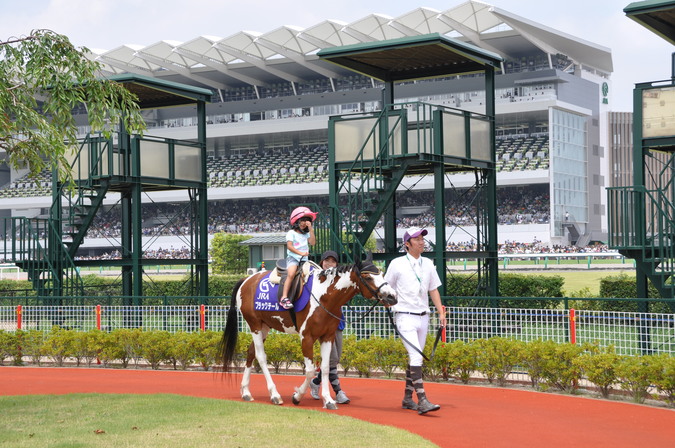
(267, 292)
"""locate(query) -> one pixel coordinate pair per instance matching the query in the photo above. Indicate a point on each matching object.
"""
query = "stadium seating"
(279, 165)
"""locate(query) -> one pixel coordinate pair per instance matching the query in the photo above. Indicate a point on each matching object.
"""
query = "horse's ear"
(369, 257)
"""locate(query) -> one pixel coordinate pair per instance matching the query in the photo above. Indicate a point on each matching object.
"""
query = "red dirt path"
(470, 416)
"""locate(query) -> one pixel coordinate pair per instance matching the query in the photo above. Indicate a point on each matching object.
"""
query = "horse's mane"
(362, 266)
(344, 268)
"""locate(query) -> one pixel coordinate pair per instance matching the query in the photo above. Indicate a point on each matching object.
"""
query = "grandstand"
(267, 124)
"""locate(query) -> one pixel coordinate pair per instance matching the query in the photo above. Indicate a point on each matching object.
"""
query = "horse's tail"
(228, 343)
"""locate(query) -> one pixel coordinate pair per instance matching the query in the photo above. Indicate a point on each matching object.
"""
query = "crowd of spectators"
(509, 247)
(515, 205)
(535, 247)
(182, 253)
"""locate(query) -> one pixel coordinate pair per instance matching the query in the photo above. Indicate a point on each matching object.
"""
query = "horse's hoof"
(247, 398)
(277, 400)
(331, 405)
(296, 401)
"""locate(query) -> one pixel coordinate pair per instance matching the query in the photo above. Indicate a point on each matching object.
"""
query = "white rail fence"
(629, 332)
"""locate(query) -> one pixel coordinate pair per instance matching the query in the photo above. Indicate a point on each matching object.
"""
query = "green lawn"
(577, 280)
(90, 420)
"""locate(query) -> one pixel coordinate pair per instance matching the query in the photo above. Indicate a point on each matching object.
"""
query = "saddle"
(279, 276)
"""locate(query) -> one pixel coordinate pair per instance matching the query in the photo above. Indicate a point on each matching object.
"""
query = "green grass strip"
(93, 420)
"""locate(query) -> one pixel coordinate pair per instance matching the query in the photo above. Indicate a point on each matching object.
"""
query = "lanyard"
(413, 268)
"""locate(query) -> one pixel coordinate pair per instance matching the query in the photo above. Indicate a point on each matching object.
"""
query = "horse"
(328, 290)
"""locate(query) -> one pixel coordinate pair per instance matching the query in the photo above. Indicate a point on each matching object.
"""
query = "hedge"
(541, 291)
(550, 365)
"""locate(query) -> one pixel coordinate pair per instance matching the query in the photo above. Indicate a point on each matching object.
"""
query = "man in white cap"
(415, 279)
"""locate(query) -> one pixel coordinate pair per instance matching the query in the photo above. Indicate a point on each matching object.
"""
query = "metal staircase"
(642, 227)
(371, 154)
(45, 247)
(35, 245)
(369, 182)
(82, 199)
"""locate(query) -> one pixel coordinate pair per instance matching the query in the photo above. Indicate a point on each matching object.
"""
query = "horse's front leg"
(328, 401)
(310, 371)
(307, 344)
(261, 356)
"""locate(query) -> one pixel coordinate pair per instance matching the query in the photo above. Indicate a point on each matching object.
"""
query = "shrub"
(636, 374)
(462, 359)
(496, 357)
(8, 346)
(389, 354)
(664, 376)
(58, 345)
(437, 366)
(32, 344)
(155, 347)
(88, 345)
(183, 349)
(283, 350)
(362, 356)
(205, 346)
(624, 286)
(123, 344)
(559, 369)
(510, 285)
(349, 346)
(113, 350)
(220, 288)
(599, 367)
(536, 354)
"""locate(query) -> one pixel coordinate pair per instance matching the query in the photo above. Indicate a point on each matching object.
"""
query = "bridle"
(369, 269)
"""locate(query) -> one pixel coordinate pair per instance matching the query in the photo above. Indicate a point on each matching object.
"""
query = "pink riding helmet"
(301, 212)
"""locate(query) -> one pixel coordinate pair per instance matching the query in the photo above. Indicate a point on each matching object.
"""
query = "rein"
(375, 293)
(433, 350)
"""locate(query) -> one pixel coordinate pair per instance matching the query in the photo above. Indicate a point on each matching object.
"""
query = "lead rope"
(349, 306)
(393, 324)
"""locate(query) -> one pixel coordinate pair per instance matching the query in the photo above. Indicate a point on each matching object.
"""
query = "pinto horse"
(328, 291)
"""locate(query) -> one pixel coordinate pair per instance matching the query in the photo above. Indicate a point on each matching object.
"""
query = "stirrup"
(286, 303)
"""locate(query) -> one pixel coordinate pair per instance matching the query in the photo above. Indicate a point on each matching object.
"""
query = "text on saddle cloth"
(266, 295)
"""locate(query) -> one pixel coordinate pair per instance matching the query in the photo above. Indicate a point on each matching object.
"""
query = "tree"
(229, 257)
(369, 246)
(43, 77)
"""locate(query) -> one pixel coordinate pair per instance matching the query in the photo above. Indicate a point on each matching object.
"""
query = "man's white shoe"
(314, 390)
(341, 398)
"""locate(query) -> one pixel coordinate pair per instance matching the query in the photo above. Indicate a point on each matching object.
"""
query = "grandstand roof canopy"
(156, 93)
(655, 15)
(412, 57)
(289, 54)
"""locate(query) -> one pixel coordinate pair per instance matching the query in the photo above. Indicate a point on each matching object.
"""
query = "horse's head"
(372, 285)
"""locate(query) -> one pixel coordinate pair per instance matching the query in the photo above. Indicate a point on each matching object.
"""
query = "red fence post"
(202, 317)
(444, 336)
(98, 327)
(573, 327)
(19, 311)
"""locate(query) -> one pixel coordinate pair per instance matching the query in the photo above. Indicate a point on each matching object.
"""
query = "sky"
(638, 54)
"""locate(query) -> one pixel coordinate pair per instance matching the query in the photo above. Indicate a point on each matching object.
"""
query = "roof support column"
(492, 258)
